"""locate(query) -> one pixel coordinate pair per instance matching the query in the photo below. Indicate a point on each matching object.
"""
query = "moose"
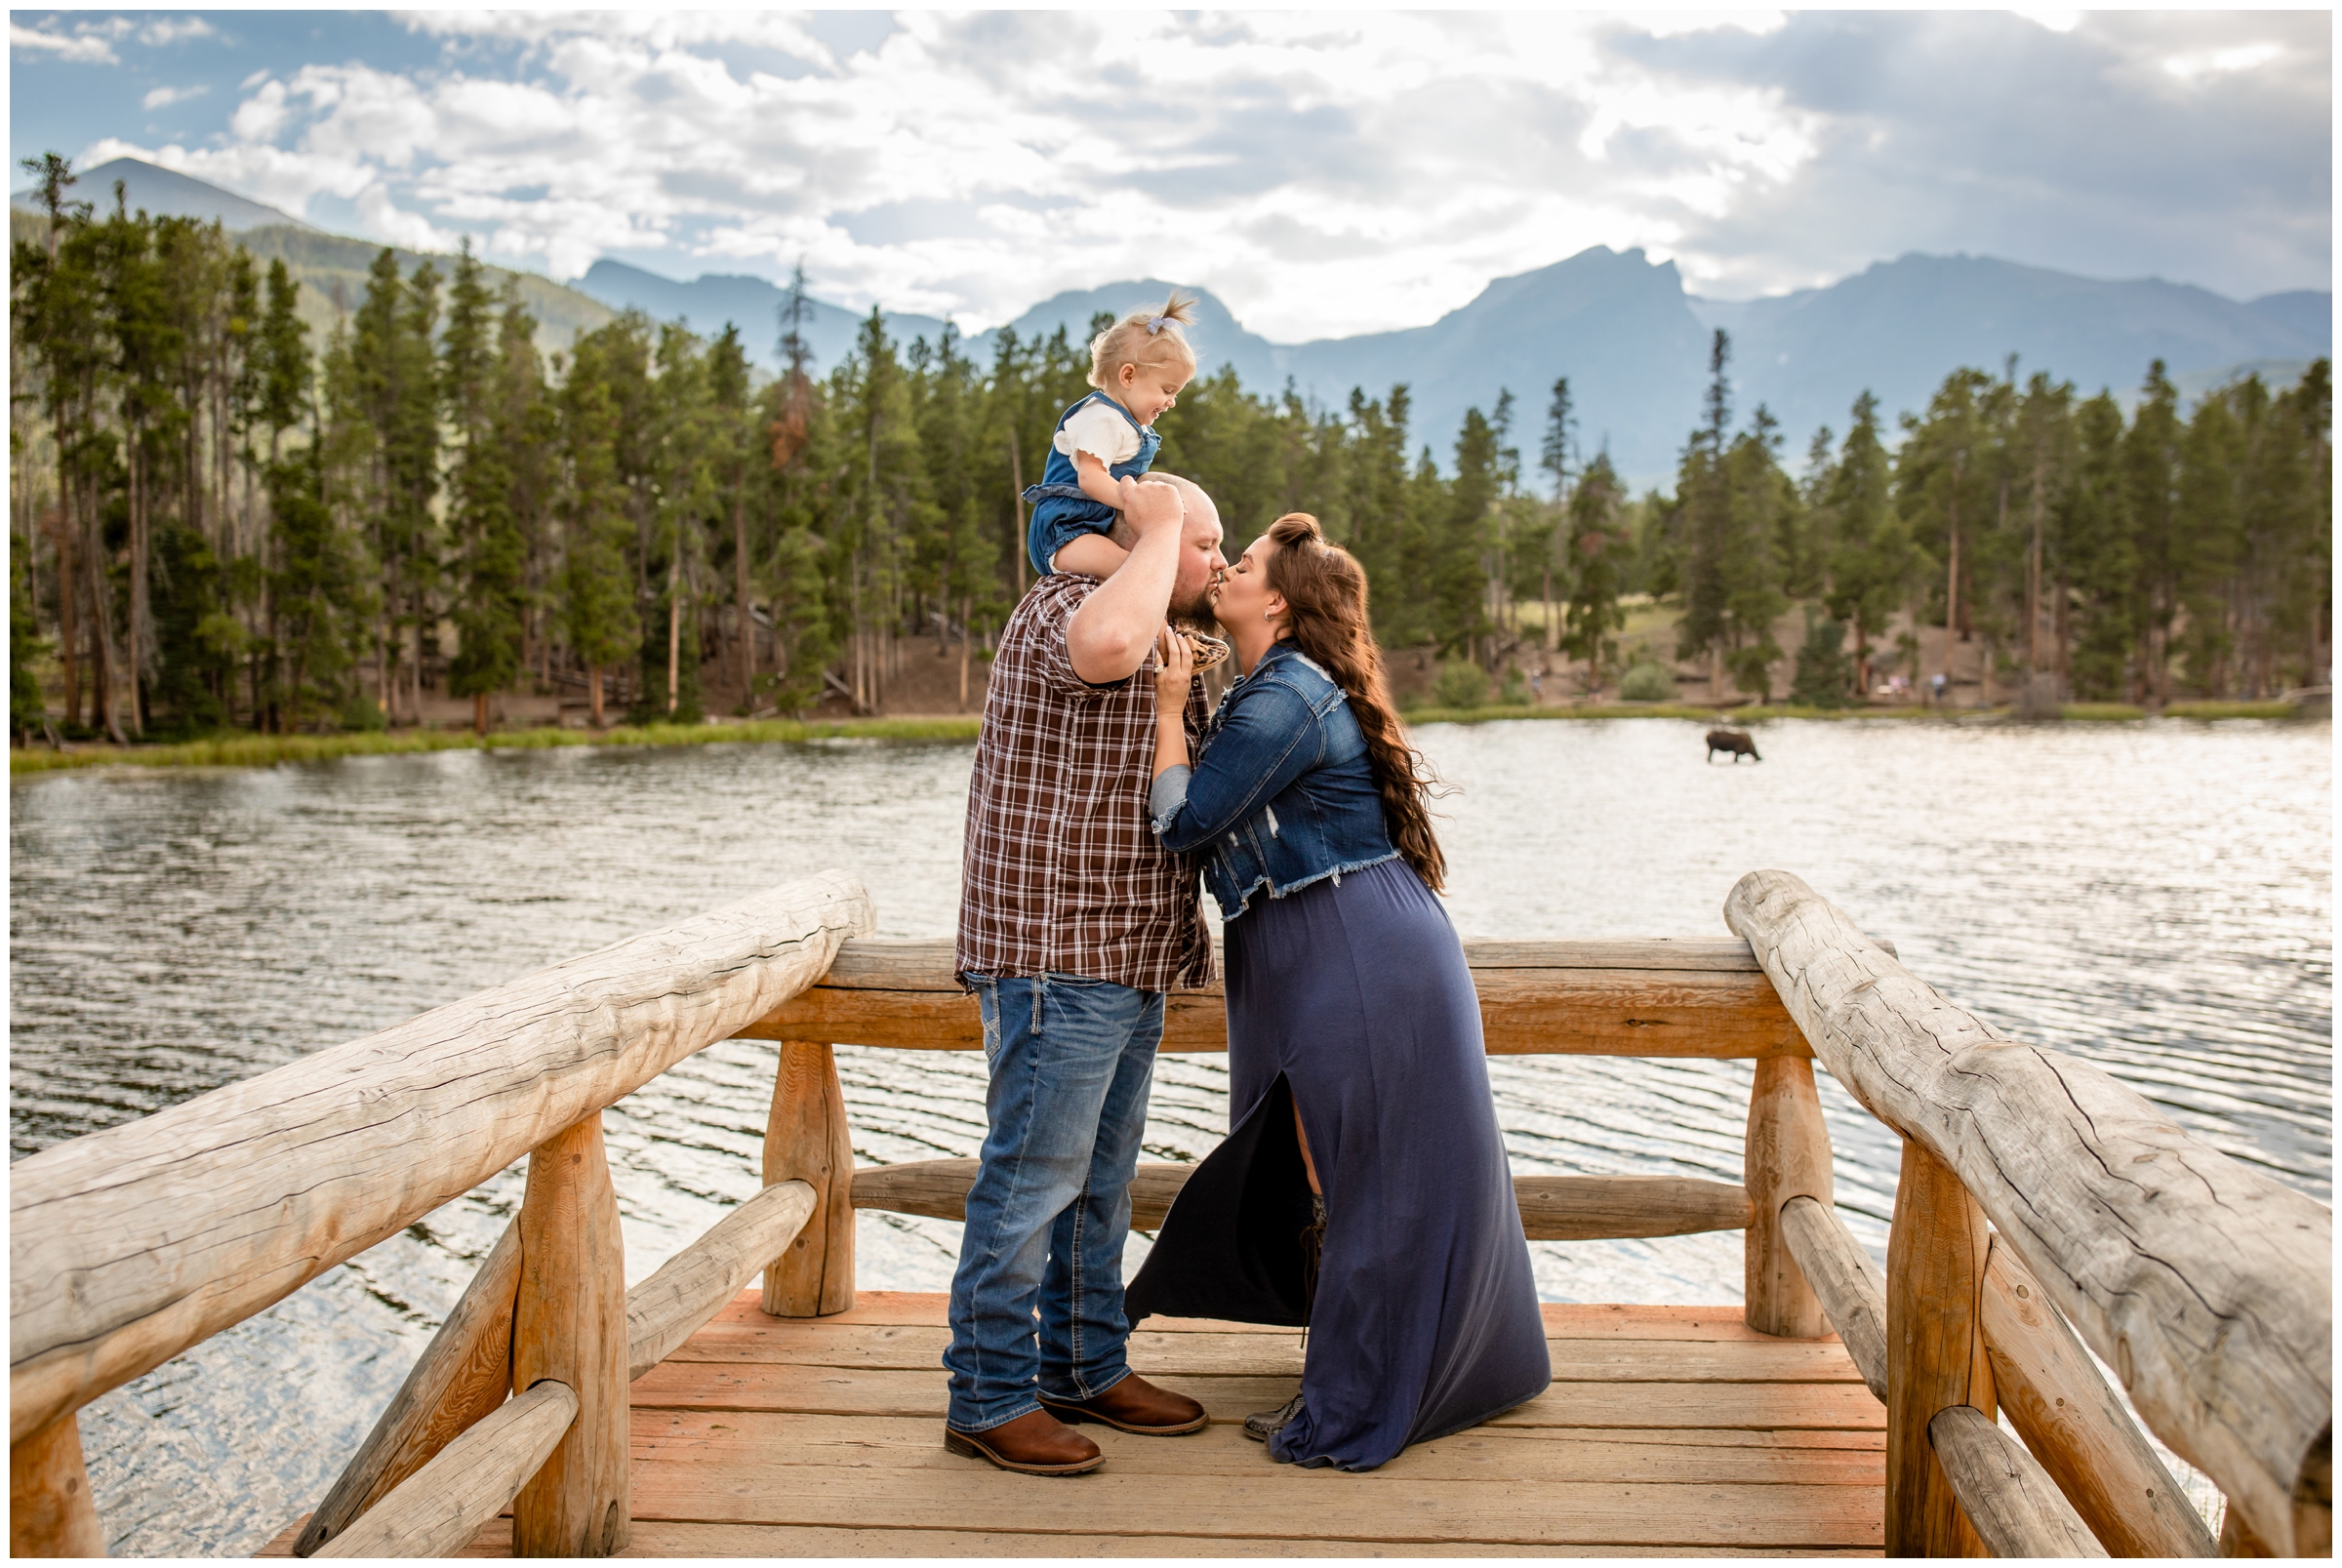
(1736, 742)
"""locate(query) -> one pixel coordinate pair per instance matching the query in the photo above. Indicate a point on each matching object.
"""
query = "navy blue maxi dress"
(1351, 997)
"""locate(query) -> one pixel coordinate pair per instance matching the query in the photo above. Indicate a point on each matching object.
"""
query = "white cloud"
(258, 117)
(86, 48)
(1325, 172)
(165, 97)
(172, 31)
(2219, 62)
(2057, 18)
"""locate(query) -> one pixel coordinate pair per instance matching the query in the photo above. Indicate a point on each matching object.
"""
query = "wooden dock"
(1668, 1431)
(2044, 1211)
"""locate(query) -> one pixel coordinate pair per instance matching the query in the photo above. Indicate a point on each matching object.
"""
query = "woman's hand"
(1174, 671)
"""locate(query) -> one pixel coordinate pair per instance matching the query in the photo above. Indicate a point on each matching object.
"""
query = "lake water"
(2156, 897)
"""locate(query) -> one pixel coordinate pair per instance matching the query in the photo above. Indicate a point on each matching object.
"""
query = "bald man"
(1073, 924)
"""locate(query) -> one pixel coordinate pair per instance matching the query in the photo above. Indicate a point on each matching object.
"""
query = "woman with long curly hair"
(1364, 1190)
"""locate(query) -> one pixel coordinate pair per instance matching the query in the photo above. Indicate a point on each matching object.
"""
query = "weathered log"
(50, 1510)
(2017, 1511)
(1594, 1208)
(461, 1377)
(2206, 1286)
(436, 1511)
(1604, 998)
(701, 1280)
(1785, 1156)
(2076, 1426)
(807, 1139)
(128, 1245)
(569, 1326)
(1935, 1355)
(1553, 1208)
(1852, 1291)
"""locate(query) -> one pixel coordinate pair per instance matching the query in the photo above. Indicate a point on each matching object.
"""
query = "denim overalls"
(1062, 510)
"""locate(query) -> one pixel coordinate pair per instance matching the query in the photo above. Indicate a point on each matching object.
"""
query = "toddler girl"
(1138, 365)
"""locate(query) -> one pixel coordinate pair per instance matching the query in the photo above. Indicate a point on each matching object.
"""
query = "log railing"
(128, 1246)
(133, 1244)
(2038, 1199)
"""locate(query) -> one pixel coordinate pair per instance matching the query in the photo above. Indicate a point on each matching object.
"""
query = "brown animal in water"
(1736, 741)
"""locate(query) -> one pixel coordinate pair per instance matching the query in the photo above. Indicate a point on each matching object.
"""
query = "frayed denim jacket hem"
(1281, 794)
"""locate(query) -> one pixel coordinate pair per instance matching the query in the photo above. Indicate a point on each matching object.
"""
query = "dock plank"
(877, 1391)
(1277, 1502)
(1563, 1320)
(659, 1538)
(1672, 1431)
(1205, 1354)
(766, 1440)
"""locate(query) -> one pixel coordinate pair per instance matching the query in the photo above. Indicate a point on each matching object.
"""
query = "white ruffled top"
(1102, 430)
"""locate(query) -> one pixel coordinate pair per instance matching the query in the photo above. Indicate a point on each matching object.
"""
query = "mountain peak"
(166, 193)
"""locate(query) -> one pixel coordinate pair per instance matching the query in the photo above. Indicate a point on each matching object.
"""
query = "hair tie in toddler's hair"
(1155, 324)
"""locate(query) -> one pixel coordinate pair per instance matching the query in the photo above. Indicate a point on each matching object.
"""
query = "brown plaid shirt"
(1062, 873)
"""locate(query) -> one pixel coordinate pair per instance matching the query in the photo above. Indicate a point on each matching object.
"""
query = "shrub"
(1515, 693)
(1648, 682)
(1460, 683)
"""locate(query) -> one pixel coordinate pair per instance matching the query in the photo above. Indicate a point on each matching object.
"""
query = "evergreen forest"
(220, 523)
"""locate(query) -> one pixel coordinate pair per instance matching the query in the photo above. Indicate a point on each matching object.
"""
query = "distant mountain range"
(1635, 345)
(1621, 327)
(330, 267)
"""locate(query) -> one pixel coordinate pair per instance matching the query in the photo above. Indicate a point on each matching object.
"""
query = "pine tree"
(2151, 464)
(478, 366)
(1375, 495)
(1458, 602)
(1870, 562)
(1601, 550)
(597, 588)
(1702, 524)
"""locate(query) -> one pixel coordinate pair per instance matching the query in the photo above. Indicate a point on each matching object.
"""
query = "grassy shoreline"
(268, 750)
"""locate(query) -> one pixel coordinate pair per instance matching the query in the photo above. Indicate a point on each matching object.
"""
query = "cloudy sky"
(1324, 173)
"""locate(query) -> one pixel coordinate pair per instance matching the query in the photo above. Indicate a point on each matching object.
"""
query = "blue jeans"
(1071, 1060)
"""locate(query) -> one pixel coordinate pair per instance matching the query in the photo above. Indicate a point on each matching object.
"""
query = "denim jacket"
(1281, 792)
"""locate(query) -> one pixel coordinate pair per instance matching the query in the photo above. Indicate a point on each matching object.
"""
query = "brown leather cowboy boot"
(1134, 1405)
(1035, 1443)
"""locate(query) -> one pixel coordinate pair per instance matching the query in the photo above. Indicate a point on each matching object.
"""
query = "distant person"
(1139, 365)
(1363, 1190)
(1937, 684)
(1074, 923)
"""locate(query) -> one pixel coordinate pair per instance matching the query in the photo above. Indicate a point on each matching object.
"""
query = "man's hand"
(1149, 507)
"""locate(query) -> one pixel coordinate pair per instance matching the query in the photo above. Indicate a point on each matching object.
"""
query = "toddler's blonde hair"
(1144, 339)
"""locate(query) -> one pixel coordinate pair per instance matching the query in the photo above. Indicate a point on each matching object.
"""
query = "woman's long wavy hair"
(1326, 600)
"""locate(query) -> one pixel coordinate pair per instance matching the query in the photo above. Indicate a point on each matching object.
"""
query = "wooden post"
(807, 1139)
(1935, 1355)
(50, 1510)
(570, 1325)
(1786, 1155)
